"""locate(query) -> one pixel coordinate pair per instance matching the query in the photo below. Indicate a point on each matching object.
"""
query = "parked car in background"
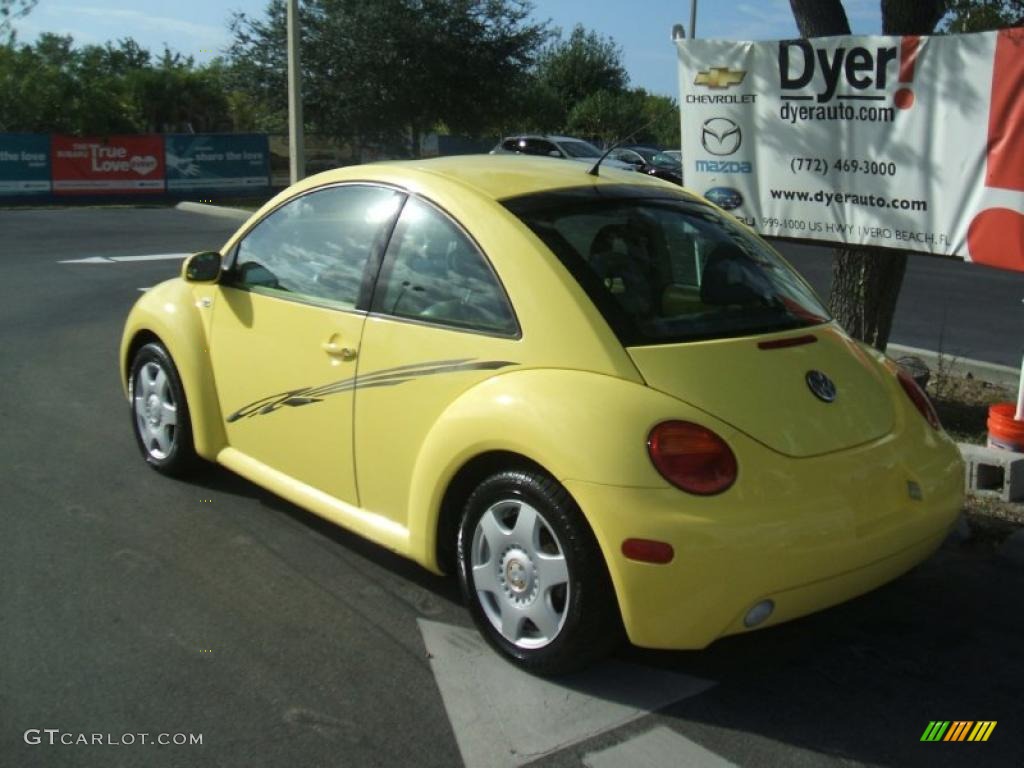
(651, 161)
(675, 154)
(565, 147)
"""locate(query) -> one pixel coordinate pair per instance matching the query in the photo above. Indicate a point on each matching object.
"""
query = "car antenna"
(617, 144)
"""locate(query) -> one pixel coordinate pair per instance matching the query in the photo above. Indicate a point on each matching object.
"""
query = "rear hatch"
(761, 387)
(707, 311)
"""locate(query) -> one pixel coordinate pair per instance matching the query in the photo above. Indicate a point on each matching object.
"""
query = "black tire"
(171, 452)
(590, 626)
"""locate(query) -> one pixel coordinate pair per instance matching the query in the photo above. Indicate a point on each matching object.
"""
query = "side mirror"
(555, 153)
(202, 267)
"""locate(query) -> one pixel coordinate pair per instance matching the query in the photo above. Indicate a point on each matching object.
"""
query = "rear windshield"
(667, 269)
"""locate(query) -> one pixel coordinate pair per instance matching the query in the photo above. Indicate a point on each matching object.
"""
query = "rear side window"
(433, 272)
(580, 149)
(669, 269)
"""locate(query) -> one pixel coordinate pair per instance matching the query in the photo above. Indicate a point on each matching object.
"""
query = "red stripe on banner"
(1006, 115)
(996, 236)
(909, 47)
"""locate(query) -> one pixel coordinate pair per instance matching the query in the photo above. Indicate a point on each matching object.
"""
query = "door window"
(433, 272)
(316, 247)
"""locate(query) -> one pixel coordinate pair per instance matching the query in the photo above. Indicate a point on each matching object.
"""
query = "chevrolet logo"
(719, 77)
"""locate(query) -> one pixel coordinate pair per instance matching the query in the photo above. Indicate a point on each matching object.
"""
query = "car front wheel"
(533, 575)
(160, 417)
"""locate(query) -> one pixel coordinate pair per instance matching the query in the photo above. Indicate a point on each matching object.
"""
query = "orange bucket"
(1004, 431)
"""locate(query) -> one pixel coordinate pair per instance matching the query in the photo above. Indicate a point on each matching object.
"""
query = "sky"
(643, 29)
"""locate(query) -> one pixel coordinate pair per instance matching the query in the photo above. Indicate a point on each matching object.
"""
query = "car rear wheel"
(160, 417)
(533, 575)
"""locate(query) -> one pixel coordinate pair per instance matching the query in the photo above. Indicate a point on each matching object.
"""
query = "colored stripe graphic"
(935, 730)
(982, 730)
(958, 730)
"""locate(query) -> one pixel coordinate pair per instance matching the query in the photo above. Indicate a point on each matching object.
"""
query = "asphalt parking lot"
(134, 604)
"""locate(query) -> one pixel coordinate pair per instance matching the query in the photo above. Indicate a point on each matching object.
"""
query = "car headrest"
(729, 277)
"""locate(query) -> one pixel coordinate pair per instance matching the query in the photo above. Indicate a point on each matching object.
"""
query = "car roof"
(548, 136)
(494, 176)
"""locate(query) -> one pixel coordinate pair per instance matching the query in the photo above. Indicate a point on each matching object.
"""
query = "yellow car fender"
(532, 413)
(174, 312)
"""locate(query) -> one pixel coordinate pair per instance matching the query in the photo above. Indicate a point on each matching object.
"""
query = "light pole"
(693, 19)
(296, 154)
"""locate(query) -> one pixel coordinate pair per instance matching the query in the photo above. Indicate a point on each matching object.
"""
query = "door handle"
(334, 349)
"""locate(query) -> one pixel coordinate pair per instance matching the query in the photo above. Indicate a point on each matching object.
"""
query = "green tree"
(176, 96)
(530, 105)
(580, 67)
(982, 15)
(38, 86)
(661, 116)
(606, 116)
(257, 63)
(115, 88)
(866, 281)
(633, 115)
(391, 70)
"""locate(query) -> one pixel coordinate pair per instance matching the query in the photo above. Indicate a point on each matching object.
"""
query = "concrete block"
(993, 472)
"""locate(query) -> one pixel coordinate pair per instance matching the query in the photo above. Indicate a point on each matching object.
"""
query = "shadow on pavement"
(216, 478)
(861, 681)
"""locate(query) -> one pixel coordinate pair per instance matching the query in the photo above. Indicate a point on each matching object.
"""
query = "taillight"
(692, 457)
(919, 398)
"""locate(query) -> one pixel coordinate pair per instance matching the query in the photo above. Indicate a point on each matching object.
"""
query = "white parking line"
(657, 748)
(504, 718)
(116, 259)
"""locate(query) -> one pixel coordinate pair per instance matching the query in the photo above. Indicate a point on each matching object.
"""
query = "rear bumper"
(806, 534)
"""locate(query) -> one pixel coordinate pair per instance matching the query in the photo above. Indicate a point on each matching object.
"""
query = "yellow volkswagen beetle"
(599, 400)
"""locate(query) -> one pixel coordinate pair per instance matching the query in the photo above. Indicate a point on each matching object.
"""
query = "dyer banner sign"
(24, 164)
(211, 162)
(915, 143)
(110, 165)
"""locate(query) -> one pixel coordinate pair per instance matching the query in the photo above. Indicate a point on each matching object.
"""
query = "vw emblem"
(821, 386)
(720, 136)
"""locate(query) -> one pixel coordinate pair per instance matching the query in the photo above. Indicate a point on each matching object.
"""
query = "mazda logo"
(720, 136)
(821, 386)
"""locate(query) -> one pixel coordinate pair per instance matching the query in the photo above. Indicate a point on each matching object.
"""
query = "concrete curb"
(238, 214)
(1003, 375)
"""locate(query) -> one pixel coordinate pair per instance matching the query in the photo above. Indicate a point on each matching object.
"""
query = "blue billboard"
(24, 164)
(235, 163)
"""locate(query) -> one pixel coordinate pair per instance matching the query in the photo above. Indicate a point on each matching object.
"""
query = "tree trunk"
(865, 286)
(820, 18)
(415, 137)
(866, 281)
